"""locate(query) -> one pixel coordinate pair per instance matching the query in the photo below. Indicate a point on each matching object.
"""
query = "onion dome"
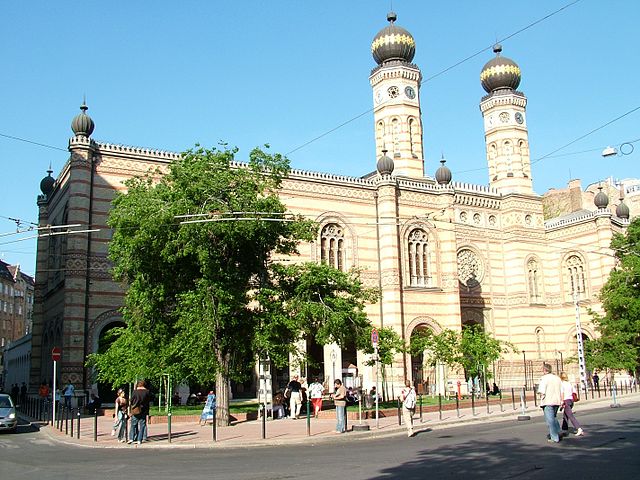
(601, 200)
(393, 43)
(622, 211)
(443, 174)
(82, 124)
(385, 164)
(500, 73)
(46, 184)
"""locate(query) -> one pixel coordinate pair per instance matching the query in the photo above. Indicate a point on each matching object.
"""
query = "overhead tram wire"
(32, 142)
(442, 72)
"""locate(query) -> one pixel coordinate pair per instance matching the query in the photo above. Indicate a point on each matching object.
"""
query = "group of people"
(557, 393)
(18, 393)
(130, 415)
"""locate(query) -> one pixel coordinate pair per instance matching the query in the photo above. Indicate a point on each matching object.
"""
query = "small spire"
(392, 17)
(497, 49)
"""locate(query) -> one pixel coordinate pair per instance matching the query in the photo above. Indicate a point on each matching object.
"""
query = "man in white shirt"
(550, 391)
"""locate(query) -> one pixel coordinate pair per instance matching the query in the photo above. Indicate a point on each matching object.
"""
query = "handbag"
(575, 397)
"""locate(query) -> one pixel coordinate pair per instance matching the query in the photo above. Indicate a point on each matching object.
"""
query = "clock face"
(504, 117)
(410, 93)
(378, 96)
(393, 91)
(519, 117)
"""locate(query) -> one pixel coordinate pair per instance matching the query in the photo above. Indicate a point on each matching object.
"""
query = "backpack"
(410, 399)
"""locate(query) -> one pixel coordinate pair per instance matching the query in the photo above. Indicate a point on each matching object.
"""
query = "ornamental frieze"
(324, 190)
(390, 277)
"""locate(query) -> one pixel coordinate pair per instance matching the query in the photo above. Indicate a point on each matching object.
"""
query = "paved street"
(496, 447)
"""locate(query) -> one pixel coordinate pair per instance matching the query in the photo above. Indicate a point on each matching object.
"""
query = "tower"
(505, 126)
(396, 86)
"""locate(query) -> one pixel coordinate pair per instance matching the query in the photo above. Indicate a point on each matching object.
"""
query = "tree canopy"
(197, 251)
(618, 346)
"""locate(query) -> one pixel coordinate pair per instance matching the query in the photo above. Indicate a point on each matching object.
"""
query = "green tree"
(618, 346)
(478, 350)
(196, 250)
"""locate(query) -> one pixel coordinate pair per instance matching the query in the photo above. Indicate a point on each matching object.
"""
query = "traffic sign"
(56, 354)
(374, 337)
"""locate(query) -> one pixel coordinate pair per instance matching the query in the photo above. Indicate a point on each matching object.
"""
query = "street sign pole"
(53, 393)
(56, 354)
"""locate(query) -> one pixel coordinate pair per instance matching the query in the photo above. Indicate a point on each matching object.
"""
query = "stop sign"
(56, 353)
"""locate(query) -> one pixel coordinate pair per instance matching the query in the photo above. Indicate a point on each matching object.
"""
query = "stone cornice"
(139, 153)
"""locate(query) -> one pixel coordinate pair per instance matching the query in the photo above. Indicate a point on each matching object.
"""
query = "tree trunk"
(222, 391)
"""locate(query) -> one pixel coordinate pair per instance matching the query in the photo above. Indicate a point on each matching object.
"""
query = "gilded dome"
(393, 43)
(500, 72)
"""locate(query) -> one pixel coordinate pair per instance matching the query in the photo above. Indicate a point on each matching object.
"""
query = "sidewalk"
(287, 431)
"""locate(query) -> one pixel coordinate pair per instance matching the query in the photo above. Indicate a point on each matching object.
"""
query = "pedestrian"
(340, 401)
(139, 409)
(43, 390)
(408, 399)
(550, 391)
(569, 395)
(94, 404)
(295, 399)
(23, 392)
(277, 406)
(120, 416)
(68, 393)
(596, 381)
(15, 393)
(316, 390)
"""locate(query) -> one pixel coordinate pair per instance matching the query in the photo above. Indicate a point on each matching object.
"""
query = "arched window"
(332, 246)
(533, 279)
(419, 258)
(575, 283)
(395, 135)
(508, 152)
(380, 136)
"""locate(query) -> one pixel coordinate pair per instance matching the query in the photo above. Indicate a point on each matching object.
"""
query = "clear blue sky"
(167, 75)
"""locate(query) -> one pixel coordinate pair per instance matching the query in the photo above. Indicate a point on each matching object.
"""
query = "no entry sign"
(56, 354)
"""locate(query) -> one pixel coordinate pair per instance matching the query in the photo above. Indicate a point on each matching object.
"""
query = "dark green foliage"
(618, 346)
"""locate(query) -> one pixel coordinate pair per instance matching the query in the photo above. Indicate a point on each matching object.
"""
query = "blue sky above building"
(167, 75)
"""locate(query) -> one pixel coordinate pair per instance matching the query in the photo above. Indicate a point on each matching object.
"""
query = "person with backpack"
(408, 399)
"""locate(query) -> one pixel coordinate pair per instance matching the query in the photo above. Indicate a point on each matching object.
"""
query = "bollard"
(440, 405)
(598, 389)
(66, 420)
(420, 408)
(71, 423)
(346, 417)
(214, 433)
(399, 414)
(169, 426)
(78, 429)
(264, 421)
(95, 425)
(308, 416)
(473, 403)
(487, 399)
(501, 406)
(615, 403)
(513, 398)
(457, 406)
(523, 404)
(535, 396)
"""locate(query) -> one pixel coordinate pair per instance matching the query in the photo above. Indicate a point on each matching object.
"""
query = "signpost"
(56, 354)
(374, 342)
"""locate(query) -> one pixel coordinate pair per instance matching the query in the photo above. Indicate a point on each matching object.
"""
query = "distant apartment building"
(16, 303)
